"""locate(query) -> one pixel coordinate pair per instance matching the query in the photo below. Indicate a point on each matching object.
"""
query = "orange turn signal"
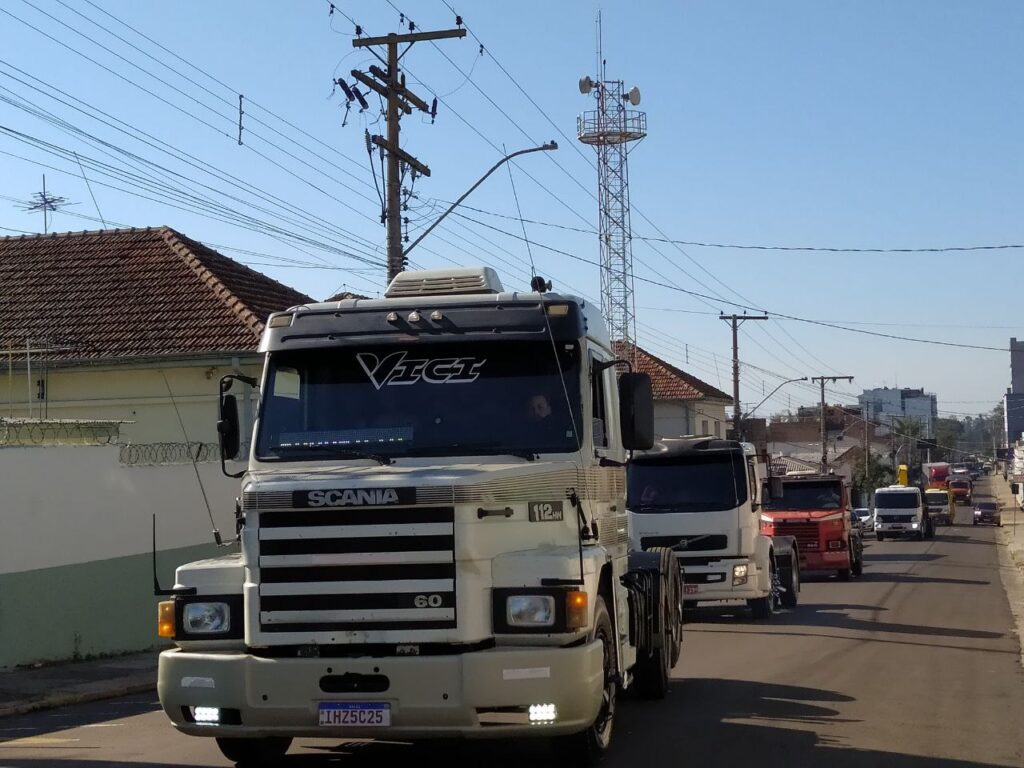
(576, 604)
(165, 619)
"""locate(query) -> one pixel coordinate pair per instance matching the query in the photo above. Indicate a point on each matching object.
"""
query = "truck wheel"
(652, 672)
(764, 607)
(920, 536)
(843, 574)
(588, 748)
(791, 583)
(880, 536)
(254, 752)
(857, 568)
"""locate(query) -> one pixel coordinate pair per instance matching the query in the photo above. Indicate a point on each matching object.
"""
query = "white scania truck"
(433, 532)
(700, 498)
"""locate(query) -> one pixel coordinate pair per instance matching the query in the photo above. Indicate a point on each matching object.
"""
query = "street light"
(542, 148)
(790, 381)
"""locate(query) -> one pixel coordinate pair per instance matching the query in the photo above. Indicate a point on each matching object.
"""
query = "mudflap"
(787, 559)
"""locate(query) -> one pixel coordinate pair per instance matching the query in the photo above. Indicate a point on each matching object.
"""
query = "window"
(704, 430)
(599, 403)
(704, 482)
(718, 428)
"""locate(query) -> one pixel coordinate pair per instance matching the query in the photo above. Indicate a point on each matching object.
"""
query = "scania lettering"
(433, 532)
(815, 509)
(699, 497)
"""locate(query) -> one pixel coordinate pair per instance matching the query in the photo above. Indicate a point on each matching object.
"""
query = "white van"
(900, 511)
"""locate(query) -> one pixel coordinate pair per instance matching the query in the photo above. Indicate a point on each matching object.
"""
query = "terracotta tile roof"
(131, 293)
(669, 382)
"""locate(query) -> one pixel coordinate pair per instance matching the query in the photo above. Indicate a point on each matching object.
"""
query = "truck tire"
(857, 568)
(264, 751)
(651, 673)
(843, 574)
(588, 747)
(764, 607)
(791, 583)
(920, 536)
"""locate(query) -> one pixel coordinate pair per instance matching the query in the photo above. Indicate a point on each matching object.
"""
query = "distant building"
(882, 404)
(1016, 366)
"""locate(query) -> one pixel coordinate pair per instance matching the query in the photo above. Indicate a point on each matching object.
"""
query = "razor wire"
(31, 432)
(152, 454)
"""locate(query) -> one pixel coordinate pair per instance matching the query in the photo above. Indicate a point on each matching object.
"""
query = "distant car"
(864, 515)
(987, 467)
(987, 512)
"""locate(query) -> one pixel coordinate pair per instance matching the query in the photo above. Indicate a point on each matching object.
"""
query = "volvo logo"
(352, 497)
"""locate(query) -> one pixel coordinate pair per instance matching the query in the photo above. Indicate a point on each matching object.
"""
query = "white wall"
(65, 505)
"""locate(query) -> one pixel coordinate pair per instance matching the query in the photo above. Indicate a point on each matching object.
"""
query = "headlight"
(206, 618)
(913, 525)
(530, 610)
(739, 575)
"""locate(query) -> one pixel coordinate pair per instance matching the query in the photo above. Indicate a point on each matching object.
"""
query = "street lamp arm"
(790, 381)
(542, 148)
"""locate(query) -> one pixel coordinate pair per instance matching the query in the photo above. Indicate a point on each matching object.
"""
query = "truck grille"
(805, 533)
(390, 568)
(895, 518)
(693, 543)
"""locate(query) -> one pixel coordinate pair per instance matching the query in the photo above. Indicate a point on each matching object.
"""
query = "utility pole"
(821, 415)
(390, 85)
(736, 321)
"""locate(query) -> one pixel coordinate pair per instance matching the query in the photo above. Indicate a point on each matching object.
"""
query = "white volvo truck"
(700, 498)
(433, 532)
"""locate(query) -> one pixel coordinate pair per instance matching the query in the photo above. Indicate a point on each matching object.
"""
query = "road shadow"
(702, 721)
(896, 557)
(836, 616)
(960, 538)
(75, 716)
(910, 578)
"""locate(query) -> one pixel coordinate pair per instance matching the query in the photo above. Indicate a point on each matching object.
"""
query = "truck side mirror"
(1014, 488)
(636, 411)
(775, 487)
(227, 427)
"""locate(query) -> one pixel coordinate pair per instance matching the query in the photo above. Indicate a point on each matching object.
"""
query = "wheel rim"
(606, 715)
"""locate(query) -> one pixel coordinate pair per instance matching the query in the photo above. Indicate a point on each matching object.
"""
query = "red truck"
(960, 486)
(815, 509)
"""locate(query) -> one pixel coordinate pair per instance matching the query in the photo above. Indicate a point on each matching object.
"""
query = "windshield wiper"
(340, 453)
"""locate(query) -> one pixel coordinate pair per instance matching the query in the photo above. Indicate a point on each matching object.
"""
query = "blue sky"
(859, 125)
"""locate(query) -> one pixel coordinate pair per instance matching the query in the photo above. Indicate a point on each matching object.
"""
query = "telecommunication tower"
(609, 129)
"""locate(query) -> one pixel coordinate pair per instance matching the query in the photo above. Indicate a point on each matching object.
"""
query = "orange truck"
(960, 486)
(815, 509)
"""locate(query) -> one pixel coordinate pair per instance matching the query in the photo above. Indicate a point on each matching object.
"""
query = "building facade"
(882, 404)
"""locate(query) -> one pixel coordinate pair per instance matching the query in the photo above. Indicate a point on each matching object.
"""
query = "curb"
(67, 698)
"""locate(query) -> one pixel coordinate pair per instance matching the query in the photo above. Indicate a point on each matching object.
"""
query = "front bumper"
(898, 529)
(713, 582)
(429, 696)
(829, 560)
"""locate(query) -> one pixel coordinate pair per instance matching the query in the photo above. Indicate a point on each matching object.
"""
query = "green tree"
(879, 475)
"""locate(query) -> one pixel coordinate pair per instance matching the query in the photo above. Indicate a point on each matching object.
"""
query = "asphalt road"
(915, 665)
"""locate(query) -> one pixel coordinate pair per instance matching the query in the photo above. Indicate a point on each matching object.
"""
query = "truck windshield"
(455, 399)
(821, 494)
(691, 484)
(936, 499)
(885, 500)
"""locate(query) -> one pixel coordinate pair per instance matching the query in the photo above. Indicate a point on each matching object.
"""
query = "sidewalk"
(30, 688)
(1013, 525)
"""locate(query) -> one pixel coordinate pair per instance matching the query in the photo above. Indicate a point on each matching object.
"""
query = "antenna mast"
(45, 202)
(609, 129)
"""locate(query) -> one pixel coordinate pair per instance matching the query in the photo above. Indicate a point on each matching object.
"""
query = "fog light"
(739, 575)
(913, 525)
(835, 544)
(543, 713)
(206, 715)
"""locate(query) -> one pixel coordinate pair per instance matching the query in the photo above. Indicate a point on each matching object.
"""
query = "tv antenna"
(45, 203)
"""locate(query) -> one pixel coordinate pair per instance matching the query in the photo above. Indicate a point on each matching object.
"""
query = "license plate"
(689, 589)
(897, 527)
(355, 713)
